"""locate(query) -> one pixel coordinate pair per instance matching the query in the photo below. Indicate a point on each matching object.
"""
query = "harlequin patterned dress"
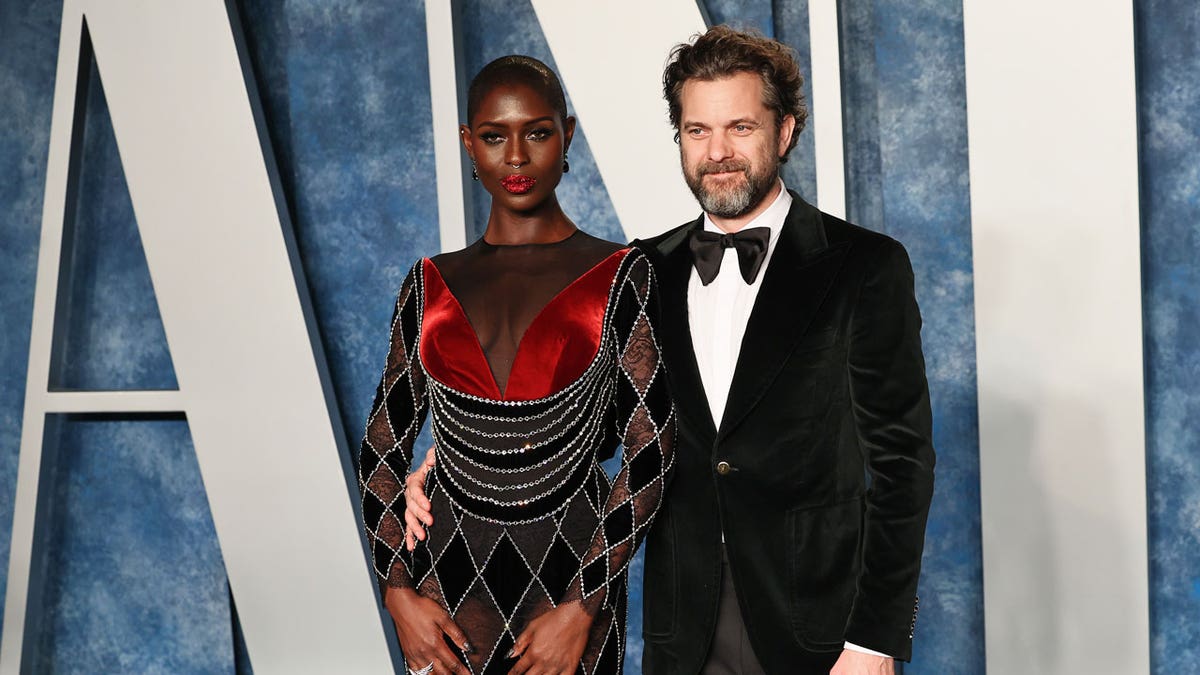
(524, 516)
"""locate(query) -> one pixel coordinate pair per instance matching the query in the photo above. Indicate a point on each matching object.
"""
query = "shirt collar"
(771, 218)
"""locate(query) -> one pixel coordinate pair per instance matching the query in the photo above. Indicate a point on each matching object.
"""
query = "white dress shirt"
(718, 314)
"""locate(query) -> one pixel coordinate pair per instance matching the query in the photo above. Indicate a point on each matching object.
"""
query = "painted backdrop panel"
(345, 91)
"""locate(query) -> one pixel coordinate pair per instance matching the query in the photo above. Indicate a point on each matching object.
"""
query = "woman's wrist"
(399, 595)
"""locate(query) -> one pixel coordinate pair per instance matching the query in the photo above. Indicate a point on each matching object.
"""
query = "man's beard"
(733, 197)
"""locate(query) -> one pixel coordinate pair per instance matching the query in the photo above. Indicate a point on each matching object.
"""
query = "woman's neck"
(544, 225)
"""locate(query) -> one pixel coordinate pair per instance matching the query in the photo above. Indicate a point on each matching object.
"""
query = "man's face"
(728, 143)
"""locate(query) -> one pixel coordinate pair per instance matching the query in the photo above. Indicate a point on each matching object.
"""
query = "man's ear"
(786, 128)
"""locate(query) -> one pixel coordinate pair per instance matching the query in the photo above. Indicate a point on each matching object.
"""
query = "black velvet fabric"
(828, 432)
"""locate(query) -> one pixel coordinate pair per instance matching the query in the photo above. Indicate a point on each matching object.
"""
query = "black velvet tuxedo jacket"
(827, 440)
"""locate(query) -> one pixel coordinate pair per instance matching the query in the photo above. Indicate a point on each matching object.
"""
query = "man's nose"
(719, 148)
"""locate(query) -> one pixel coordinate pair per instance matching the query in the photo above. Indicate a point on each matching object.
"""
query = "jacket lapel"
(800, 273)
(674, 270)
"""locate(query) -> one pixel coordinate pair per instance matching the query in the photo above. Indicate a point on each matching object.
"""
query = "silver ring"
(422, 671)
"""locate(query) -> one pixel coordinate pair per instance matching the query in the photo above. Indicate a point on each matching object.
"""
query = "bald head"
(516, 70)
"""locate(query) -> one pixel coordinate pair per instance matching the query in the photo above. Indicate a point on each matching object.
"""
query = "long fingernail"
(467, 648)
(511, 653)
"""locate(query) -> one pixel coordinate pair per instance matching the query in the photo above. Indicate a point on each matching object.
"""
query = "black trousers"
(731, 653)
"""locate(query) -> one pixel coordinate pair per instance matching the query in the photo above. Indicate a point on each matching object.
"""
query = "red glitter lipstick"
(518, 184)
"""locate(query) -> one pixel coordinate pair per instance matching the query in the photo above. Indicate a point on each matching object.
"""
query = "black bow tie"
(708, 250)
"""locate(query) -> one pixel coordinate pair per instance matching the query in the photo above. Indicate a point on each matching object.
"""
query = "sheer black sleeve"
(387, 448)
(645, 416)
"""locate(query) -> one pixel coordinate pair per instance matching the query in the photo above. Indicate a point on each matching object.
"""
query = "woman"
(534, 349)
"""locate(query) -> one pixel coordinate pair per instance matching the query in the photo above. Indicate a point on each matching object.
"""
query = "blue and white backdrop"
(207, 208)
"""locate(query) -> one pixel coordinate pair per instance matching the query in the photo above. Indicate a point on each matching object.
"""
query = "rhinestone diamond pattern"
(524, 517)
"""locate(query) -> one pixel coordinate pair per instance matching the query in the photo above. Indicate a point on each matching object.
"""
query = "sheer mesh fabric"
(387, 447)
(516, 533)
(503, 288)
(648, 436)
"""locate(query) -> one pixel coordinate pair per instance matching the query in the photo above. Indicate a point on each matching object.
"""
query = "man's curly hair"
(723, 52)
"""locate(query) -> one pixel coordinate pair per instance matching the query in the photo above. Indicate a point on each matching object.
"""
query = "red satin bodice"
(555, 350)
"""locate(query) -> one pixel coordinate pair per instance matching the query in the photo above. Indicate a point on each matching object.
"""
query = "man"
(790, 539)
(792, 339)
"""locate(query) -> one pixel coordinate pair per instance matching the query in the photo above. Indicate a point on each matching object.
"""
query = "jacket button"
(724, 468)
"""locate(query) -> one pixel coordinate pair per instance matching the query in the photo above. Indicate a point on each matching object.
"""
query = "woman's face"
(517, 142)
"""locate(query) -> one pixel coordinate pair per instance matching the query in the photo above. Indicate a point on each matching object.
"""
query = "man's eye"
(695, 132)
(741, 128)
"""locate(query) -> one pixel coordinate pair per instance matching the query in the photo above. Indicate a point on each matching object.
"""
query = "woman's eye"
(540, 134)
(492, 139)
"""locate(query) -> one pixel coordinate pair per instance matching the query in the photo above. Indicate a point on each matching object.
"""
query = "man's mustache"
(722, 167)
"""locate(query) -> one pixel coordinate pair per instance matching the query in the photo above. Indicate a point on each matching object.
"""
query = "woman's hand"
(416, 505)
(420, 625)
(554, 642)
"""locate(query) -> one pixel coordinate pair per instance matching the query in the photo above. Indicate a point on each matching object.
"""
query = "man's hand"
(553, 643)
(417, 514)
(858, 663)
(420, 625)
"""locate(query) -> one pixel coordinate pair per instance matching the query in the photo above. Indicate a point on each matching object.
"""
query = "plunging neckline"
(477, 344)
